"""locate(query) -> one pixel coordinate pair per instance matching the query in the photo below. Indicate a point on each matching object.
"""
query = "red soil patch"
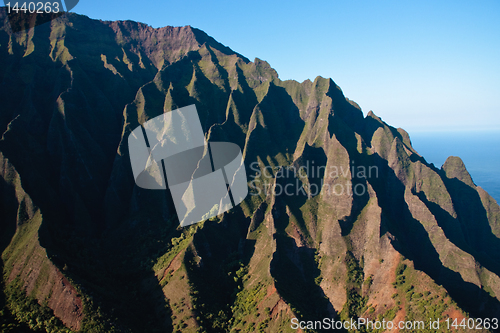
(280, 306)
(174, 265)
(454, 314)
(271, 290)
(394, 267)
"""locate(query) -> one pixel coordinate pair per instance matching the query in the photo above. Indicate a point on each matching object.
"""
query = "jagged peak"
(372, 114)
(324, 85)
(306, 82)
(204, 39)
(454, 167)
(263, 67)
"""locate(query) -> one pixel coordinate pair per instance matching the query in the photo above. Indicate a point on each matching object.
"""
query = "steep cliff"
(344, 218)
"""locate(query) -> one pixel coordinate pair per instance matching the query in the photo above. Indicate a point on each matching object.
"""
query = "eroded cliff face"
(26, 264)
(389, 236)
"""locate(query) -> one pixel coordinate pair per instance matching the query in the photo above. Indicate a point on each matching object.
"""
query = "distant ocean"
(480, 152)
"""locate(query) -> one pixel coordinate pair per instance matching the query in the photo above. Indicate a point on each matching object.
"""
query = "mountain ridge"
(417, 242)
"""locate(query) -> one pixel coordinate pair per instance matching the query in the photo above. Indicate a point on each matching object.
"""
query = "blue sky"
(420, 65)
